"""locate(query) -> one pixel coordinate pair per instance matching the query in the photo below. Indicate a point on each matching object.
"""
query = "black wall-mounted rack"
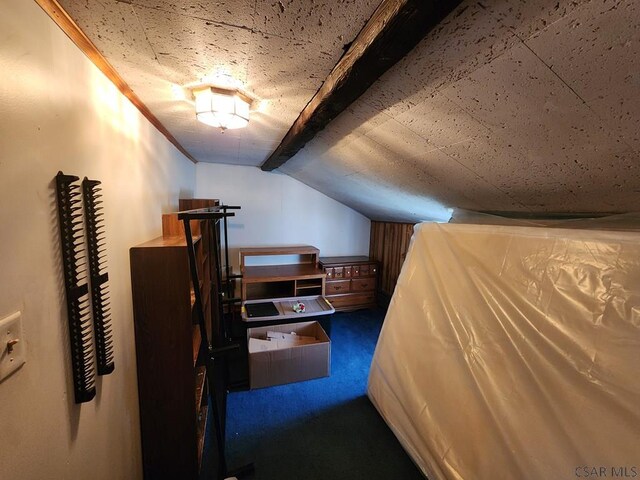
(77, 290)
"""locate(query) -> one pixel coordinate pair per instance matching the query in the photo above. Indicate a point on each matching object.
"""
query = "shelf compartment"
(256, 291)
(302, 250)
(271, 273)
(309, 291)
(308, 286)
(309, 282)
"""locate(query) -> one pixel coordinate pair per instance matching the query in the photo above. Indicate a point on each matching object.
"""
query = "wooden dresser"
(351, 282)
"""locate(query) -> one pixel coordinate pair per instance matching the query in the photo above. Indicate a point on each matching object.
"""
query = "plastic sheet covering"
(512, 352)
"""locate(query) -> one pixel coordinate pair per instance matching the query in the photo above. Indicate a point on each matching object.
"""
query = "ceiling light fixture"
(222, 107)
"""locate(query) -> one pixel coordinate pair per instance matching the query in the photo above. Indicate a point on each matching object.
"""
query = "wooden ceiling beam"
(393, 30)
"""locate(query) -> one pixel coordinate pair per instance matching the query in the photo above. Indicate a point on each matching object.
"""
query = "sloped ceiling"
(280, 51)
(508, 105)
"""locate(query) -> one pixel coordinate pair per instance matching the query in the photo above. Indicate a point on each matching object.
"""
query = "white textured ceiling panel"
(239, 13)
(442, 121)
(507, 105)
(331, 23)
(115, 26)
(189, 48)
(596, 51)
(594, 48)
(465, 39)
(530, 110)
(525, 18)
(397, 138)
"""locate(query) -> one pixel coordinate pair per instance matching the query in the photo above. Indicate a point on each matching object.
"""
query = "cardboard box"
(279, 362)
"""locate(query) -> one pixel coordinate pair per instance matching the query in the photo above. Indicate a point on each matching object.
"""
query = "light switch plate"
(12, 355)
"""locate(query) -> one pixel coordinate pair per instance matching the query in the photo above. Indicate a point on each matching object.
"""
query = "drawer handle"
(338, 288)
(365, 285)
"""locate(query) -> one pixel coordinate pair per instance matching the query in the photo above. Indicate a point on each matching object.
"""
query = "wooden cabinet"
(172, 388)
(351, 282)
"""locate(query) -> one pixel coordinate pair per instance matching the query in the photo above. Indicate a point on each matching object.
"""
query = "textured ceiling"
(508, 105)
(524, 106)
(280, 51)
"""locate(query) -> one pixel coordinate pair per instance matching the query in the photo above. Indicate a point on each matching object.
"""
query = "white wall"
(58, 112)
(279, 210)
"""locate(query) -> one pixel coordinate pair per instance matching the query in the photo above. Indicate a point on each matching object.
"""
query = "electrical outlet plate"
(12, 357)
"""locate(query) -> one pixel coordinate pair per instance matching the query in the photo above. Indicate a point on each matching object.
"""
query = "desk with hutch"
(277, 281)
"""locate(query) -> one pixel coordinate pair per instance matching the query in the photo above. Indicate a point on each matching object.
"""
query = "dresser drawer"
(337, 286)
(329, 272)
(365, 270)
(363, 284)
(352, 301)
(347, 272)
(338, 272)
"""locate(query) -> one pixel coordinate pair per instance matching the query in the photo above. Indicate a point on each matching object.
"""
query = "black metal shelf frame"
(215, 350)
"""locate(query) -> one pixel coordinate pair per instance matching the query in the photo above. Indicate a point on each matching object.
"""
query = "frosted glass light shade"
(226, 109)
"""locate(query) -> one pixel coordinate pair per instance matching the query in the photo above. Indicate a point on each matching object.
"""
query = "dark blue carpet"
(320, 429)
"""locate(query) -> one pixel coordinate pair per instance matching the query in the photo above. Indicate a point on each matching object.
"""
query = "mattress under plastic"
(514, 353)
